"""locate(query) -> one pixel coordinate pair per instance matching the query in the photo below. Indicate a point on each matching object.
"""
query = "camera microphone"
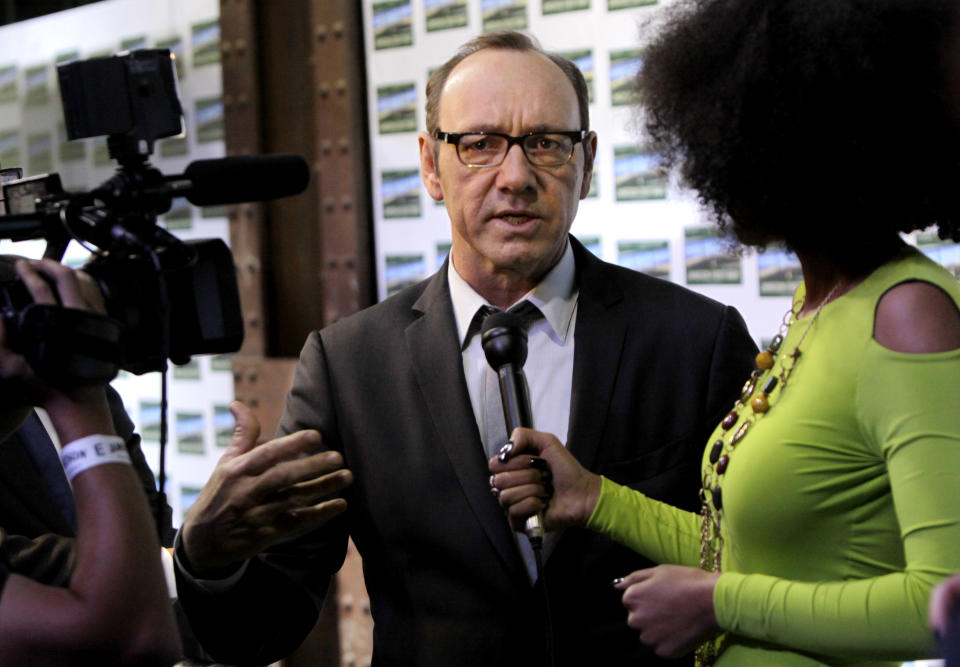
(240, 178)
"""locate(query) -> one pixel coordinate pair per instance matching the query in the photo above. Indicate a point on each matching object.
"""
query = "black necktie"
(525, 310)
(493, 426)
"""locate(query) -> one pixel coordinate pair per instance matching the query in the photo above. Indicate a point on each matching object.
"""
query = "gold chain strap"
(711, 544)
(711, 539)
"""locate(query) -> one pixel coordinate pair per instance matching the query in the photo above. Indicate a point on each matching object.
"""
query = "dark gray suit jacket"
(655, 368)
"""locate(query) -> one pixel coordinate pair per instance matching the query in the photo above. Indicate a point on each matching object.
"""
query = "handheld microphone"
(504, 342)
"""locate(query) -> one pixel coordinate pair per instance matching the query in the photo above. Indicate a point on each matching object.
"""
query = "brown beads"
(729, 420)
(722, 464)
(765, 360)
(759, 403)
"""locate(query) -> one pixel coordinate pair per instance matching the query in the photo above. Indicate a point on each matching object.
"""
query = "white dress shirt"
(549, 366)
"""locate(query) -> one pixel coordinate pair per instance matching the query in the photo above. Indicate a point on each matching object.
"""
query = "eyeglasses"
(488, 149)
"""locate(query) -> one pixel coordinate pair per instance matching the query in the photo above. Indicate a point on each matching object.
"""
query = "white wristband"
(93, 450)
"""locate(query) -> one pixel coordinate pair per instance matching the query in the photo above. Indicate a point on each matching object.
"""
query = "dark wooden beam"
(294, 81)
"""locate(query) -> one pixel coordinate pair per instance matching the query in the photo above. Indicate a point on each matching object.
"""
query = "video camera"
(165, 298)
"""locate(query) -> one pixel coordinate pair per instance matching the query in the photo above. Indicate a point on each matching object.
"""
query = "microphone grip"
(516, 412)
(514, 397)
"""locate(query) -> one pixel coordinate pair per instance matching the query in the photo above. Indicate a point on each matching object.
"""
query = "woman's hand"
(944, 602)
(671, 606)
(538, 474)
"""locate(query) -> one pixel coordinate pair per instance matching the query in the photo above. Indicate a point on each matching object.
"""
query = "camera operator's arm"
(115, 610)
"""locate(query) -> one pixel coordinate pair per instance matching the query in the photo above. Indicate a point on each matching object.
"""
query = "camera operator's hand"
(90, 292)
(259, 494)
(49, 281)
(72, 412)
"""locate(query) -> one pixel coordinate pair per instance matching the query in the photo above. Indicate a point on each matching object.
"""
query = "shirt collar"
(555, 296)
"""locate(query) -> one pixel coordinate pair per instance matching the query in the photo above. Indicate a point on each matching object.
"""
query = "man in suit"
(630, 371)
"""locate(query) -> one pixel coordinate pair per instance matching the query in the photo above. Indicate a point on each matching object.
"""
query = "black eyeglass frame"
(576, 136)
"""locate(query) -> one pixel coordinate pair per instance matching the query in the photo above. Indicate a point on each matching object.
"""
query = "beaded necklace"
(711, 497)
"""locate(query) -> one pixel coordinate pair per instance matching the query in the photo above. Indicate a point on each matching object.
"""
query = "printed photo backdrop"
(32, 137)
(634, 215)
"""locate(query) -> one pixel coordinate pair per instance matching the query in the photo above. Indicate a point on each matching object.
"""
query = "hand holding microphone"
(523, 490)
(520, 475)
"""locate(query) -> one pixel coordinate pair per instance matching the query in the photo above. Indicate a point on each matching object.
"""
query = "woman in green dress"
(829, 492)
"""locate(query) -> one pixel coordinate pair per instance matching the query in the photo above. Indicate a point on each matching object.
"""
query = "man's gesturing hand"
(259, 494)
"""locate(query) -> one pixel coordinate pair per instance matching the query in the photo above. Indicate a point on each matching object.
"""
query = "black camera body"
(165, 298)
(196, 281)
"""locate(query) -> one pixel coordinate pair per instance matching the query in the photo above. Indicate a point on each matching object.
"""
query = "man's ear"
(428, 167)
(589, 153)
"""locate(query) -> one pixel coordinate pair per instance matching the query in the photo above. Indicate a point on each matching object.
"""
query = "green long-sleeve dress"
(840, 505)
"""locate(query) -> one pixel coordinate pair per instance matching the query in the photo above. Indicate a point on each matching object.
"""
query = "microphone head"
(246, 178)
(504, 340)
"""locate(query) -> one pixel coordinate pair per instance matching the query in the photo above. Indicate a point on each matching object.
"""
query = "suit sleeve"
(659, 531)
(276, 602)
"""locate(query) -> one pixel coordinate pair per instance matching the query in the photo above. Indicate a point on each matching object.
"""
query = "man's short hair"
(506, 40)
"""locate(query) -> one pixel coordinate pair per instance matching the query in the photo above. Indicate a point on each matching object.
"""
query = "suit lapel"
(598, 344)
(435, 355)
